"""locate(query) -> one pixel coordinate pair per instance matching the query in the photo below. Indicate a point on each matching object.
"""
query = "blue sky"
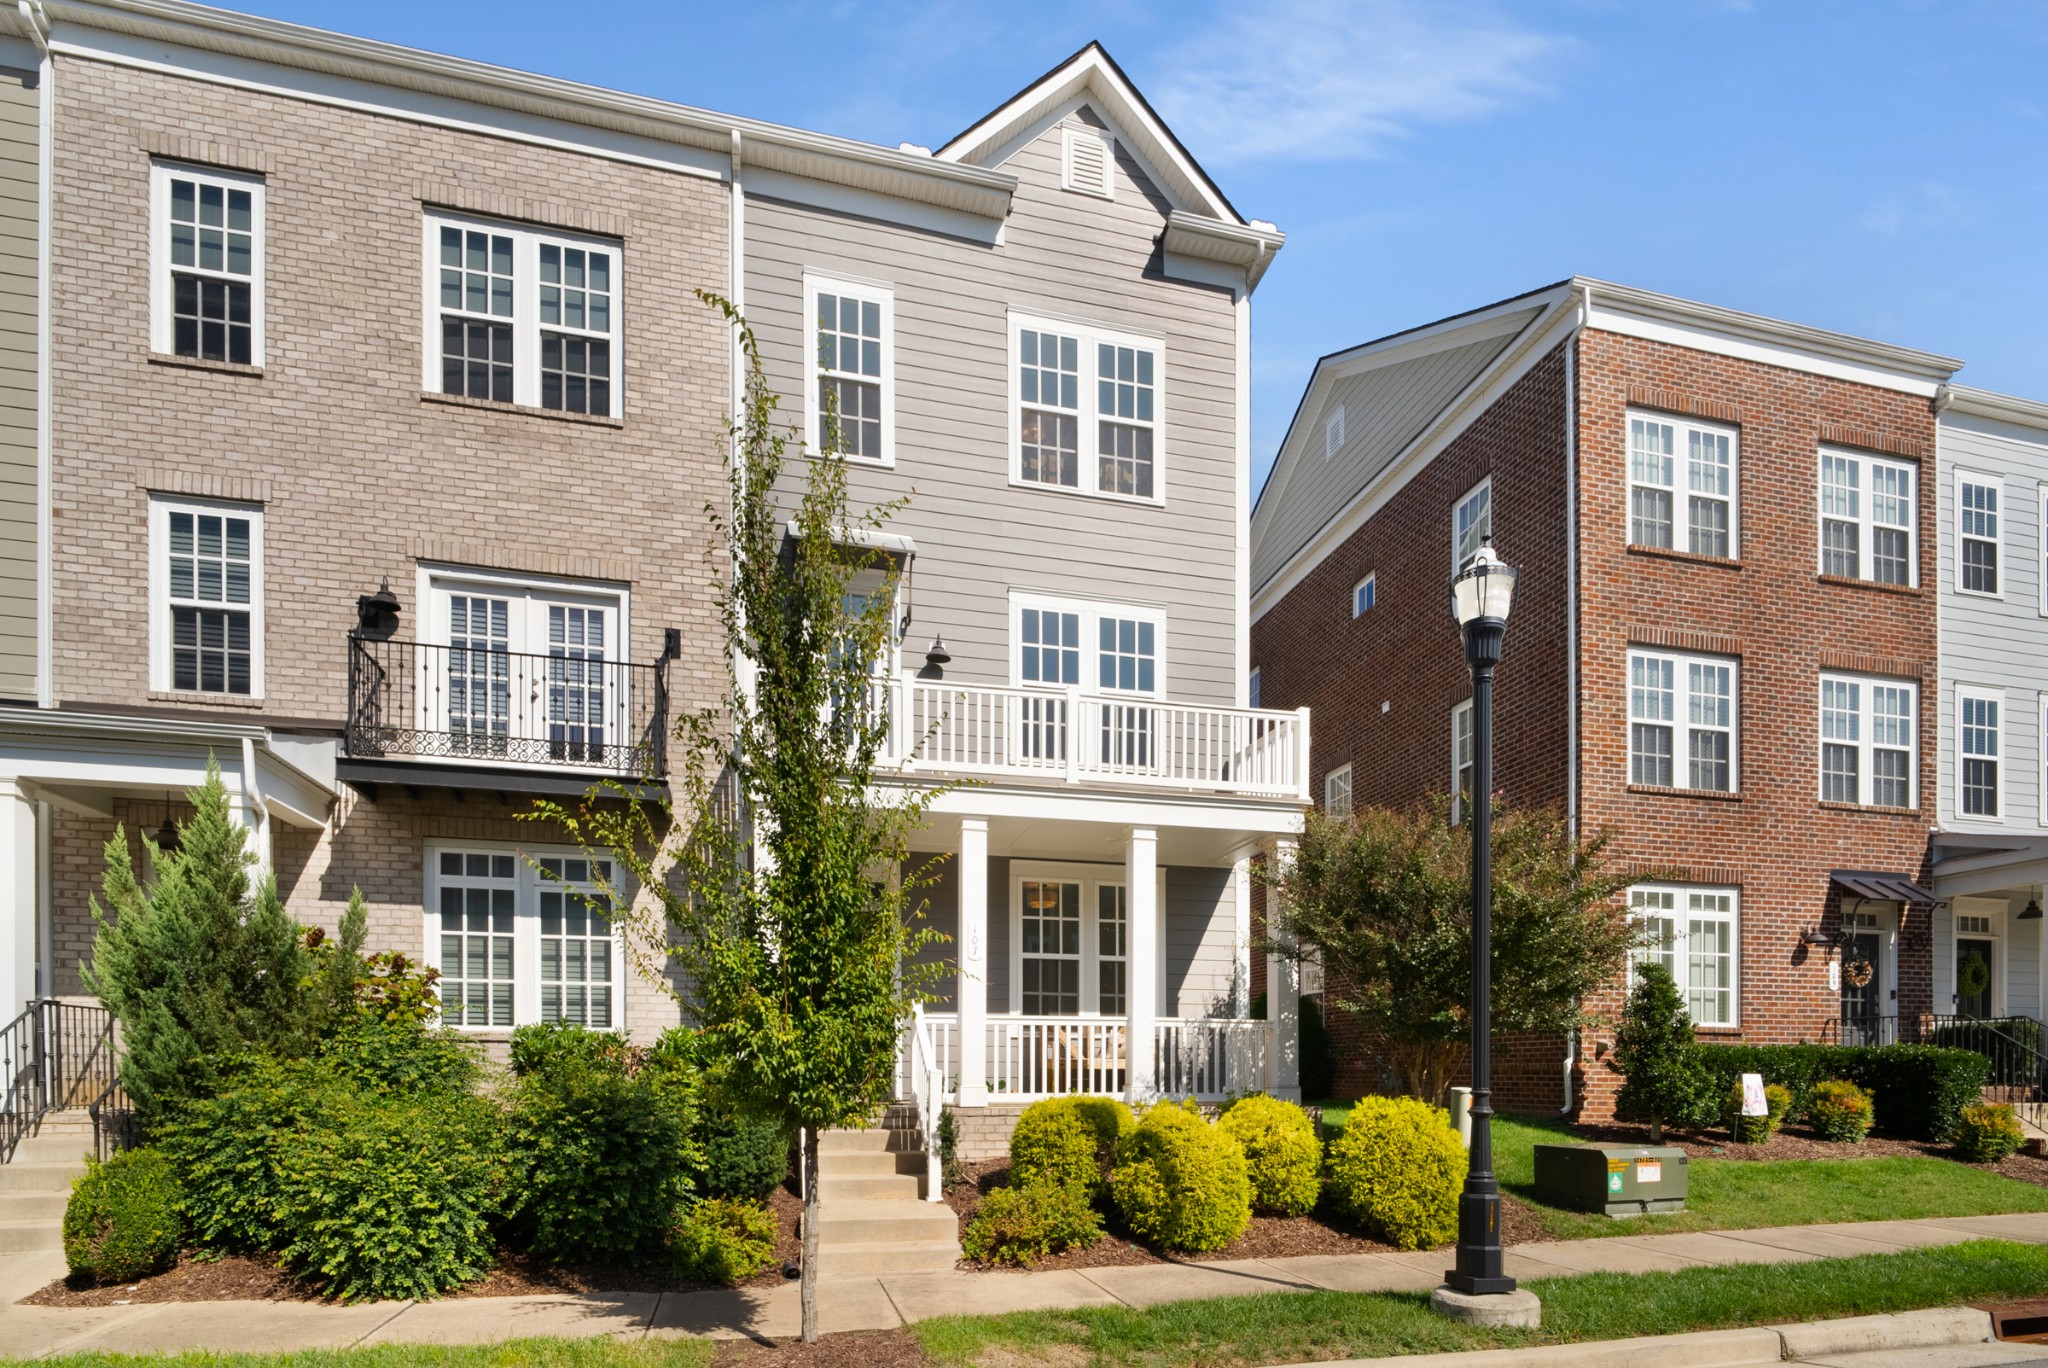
(1869, 166)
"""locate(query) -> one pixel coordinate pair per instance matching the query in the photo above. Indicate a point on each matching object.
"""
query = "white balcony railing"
(1082, 738)
(1034, 1057)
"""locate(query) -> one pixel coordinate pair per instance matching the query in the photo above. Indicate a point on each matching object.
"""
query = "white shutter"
(1088, 162)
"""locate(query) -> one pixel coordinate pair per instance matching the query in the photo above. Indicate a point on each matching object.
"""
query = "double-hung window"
(1337, 792)
(1682, 711)
(1866, 740)
(1365, 595)
(1980, 724)
(1867, 519)
(1978, 498)
(206, 245)
(1049, 944)
(206, 574)
(1471, 523)
(1462, 760)
(1089, 410)
(521, 315)
(1695, 933)
(852, 379)
(1682, 485)
(520, 940)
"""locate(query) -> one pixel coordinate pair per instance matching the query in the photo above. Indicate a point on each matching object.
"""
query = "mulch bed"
(1796, 1142)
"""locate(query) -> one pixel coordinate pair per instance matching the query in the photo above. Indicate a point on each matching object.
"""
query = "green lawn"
(1293, 1327)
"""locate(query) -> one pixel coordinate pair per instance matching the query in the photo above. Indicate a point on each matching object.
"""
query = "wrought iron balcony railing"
(412, 699)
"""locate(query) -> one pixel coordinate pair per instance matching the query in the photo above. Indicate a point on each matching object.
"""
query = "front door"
(1974, 968)
(1863, 1007)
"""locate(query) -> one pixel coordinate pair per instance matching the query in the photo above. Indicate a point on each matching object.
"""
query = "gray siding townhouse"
(379, 423)
(1991, 850)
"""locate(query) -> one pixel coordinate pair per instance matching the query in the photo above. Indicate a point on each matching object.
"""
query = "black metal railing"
(1862, 1029)
(54, 1055)
(464, 703)
(2012, 1044)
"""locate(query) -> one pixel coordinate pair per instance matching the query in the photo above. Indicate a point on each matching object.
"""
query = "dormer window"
(1088, 163)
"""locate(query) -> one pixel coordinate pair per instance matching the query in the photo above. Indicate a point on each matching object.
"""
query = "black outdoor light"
(2032, 911)
(1480, 597)
(938, 656)
(377, 614)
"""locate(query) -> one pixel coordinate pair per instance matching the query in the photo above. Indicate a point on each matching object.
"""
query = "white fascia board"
(1277, 817)
(84, 740)
(1250, 250)
(305, 63)
(1687, 323)
(1993, 872)
(2003, 408)
(762, 183)
(866, 538)
(1540, 336)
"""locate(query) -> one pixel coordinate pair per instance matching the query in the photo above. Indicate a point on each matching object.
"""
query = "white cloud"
(1928, 207)
(1333, 80)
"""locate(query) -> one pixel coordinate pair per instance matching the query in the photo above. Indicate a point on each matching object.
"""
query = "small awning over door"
(1881, 887)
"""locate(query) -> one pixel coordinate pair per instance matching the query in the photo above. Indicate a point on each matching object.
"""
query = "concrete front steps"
(36, 1183)
(872, 1218)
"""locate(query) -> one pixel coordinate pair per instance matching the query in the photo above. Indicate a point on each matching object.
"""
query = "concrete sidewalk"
(884, 1303)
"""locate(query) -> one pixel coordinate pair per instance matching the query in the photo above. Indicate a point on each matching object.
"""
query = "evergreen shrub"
(1919, 1091)
(1397, 1170)
(1021, 1225)
(1282, 1153)
(1839, 1110)
(1988, 1133)
(1665, 1083)
(1180, 1181)
(122, 1221)
(721, 1241)
(1066, 1140)
(745, 1157)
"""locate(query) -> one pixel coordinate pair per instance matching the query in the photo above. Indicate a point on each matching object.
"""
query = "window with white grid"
(577, 969)
(1682, 481)
(207, 612)
(207, 248)
(852, 381)
(1471, 523)
(522, 935)
(1051, 947)
(1682, 712)
(1694, 933)
(1977, 536)
(521, 315)
(1462, 760)
(1365, 595)
(1337, 792)
(1980, 725)
(1867, 524)
(1112, 928)
(479, 900)
(1866, 740)
(1089, 408)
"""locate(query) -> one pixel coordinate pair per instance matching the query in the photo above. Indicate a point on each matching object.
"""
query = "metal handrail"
(54, 1054)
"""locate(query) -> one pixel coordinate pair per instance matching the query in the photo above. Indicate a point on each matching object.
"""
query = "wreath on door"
(1858, 972)
(1973, 976)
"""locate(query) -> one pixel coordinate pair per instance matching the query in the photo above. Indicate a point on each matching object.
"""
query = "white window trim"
(1086, 419)
(1092, 611)
(1070, 136)
(1369, 583)
(525, 926)
(1681, 725)
(1091, 877)
(867, 292)
(2041, 749)
(1993, 695)
(525, 320)
(1458, 710)
(2041, 556)
(160, 510)
(161, 328)
(1333, 432)
(1865, 524)
(1864, 742)
(431, 578)
(1681, 482)
(1484, 486)
(1978, 477)
(1330, 780)
(1251, 688)
(1681, 914)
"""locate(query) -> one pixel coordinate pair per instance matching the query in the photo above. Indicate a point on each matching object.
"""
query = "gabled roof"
(1092, 73)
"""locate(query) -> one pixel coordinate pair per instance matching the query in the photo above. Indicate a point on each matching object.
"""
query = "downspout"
(38, 25)
(1571, 600)
(252, 794)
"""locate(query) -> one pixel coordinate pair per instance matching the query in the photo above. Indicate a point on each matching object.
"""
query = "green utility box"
(1619, 1180)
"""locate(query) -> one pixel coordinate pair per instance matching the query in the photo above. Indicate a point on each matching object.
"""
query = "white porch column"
(18, 911)
(1283, 992)
(971, 990)
(1142, 951)
(1241, 939)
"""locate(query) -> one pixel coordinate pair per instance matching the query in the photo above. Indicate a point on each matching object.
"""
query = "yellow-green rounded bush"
(1068, 1140)
(1397, 1170)
(1281, 1152)
(1988, 1133)
(1180, 1182)
(1839, 1110)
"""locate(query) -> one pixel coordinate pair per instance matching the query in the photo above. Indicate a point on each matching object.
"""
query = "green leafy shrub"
(1282, 1154)
(1919, 1091)
(1839, 1110)
(1397, 1170)
(1755, 1130)
(1021, 1225)
(391, 1196)
(1180, 1181)
(744, 1157)
(1988, 1133)
(601, 1158)
(564, 1046)
(230, 1150)
(720, 1241)
(396, 1055)
(1068, 1140)
(122, 1221)
(1665, 1081)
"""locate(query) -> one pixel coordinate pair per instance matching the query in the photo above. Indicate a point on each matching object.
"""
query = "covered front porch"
(1100, 944)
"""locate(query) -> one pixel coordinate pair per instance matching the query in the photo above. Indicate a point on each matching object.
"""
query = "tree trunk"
(807, 1287)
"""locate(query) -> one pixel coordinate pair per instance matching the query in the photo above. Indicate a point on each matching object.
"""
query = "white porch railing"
(1030, 1058)
(987, 729)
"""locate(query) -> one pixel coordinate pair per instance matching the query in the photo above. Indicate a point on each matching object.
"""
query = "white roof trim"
(866, 538)
(1248, 247)
(1091, 74)
(1979, 403)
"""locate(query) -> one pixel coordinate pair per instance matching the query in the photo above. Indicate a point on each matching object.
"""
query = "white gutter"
(38, 25)
(252, 793)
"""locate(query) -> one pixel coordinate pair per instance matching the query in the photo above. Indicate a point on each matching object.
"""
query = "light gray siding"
(19, 199)
(979, 538)
(1996, 643)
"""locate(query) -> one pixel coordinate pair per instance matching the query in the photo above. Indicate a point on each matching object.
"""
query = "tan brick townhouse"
(358, 433)
(1723, 644)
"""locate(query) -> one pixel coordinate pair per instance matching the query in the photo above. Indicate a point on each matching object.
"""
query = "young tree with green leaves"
(1386, 896)
(780, 870)
(1665, 1080)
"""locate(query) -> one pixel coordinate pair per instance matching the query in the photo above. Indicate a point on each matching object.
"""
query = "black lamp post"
(1480, 597)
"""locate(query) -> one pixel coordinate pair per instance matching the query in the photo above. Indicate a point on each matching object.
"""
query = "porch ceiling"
(2018, 870)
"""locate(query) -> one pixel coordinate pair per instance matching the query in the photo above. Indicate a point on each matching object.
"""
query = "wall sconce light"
(937, 655)
(2032, 911)
(377, 614)
(167, 838)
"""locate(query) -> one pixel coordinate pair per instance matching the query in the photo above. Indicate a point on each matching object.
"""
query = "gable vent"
(1333, 433)
(1089, 163)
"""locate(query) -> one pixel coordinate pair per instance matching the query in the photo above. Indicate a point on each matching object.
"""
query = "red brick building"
(1723, 646)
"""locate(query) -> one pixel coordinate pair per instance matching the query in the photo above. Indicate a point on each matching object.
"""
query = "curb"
(1942, 1326)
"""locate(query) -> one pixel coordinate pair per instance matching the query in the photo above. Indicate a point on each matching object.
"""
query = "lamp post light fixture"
(1481, 596)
